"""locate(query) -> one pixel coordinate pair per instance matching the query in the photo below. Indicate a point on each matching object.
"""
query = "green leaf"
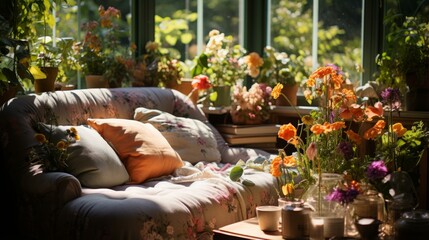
(249, 183)
(171, 40)
(186, 38)
(213, 96)
(236, 173)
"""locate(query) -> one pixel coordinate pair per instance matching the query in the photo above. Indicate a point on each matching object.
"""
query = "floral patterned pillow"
(191, 138)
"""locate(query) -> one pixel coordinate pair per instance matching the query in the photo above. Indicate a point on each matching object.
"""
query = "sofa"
(148, 165)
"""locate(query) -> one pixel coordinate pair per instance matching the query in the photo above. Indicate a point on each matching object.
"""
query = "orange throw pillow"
(141, 147)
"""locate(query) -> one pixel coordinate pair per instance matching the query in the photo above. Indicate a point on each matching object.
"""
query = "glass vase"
(328, 217)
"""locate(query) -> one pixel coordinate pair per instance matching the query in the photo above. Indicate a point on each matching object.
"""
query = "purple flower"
(336, 68)
(376, 170)
(343, 196)
(346, 148)
(391, 97)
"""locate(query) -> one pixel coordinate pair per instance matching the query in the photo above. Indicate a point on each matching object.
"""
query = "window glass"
(338, 35)
(177, 27)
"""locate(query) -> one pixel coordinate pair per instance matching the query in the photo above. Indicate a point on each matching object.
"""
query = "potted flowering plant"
(222, 63)
(251, 106)
(289, 70)
(101, 53)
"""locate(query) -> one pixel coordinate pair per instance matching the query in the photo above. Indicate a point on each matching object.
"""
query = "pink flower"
(311, 151)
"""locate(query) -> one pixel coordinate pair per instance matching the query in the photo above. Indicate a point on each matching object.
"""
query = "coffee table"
(247, 229)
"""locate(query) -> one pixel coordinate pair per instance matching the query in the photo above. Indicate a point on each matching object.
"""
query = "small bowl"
(368, 228)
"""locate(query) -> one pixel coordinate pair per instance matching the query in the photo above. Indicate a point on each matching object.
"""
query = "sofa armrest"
(39, 200)
(61, 187)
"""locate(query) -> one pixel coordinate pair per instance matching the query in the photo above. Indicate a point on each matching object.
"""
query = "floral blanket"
(187, 205)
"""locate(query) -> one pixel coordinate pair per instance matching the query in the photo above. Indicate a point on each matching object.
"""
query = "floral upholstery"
(186, 205)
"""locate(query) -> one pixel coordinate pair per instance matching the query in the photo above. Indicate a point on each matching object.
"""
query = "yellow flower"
(40, 138)
(288, 189)
(61, 145)
(277, 91)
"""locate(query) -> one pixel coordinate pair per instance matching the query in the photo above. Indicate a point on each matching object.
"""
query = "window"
(183, 26)
(336, 38)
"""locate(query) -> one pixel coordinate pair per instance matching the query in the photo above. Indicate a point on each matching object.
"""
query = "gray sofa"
(95, 199)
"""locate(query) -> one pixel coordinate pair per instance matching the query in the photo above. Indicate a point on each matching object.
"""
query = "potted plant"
(47, 58)
(101, 53)
(157, 67)
(222, 63)
(289, 70)
(405, 62)
(14, 48)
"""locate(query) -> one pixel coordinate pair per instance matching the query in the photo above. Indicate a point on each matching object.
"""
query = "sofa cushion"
(191, 138)
(91, 159)
(143, 150)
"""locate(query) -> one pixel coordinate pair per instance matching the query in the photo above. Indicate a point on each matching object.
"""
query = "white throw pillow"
(91, 159)
(191, 138)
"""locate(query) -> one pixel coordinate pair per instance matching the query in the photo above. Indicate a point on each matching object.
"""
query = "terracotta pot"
(96, 81)
(47, 84)
(185, 87)
(290, 91)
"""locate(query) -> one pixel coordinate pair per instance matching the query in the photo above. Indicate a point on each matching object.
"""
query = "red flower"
(201, 82)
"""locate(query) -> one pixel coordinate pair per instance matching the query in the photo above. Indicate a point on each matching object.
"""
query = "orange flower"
(275, 166)
(287, 131)
(317, 129)
(311, 82)
(289, 161)
(295, 141)
(338, 125)
(376, 111)
(354, 137)
(399, 129)
(275, 93)
(375, 131)
(321, 72)
(201, 82)
(380, 124)
(337, 80)
(253, 60)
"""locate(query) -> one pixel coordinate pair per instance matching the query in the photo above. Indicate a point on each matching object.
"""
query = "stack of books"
(255, 135)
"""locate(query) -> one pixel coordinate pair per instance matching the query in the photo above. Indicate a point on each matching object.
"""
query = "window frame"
(255, 24)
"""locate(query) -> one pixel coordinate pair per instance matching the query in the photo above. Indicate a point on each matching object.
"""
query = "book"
(249, 130)
(234, 139)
